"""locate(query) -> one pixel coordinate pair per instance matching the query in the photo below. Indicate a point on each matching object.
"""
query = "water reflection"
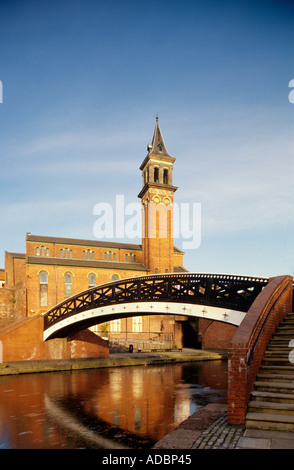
(128, 407)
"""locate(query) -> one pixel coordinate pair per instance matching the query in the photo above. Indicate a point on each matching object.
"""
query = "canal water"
(114, 408)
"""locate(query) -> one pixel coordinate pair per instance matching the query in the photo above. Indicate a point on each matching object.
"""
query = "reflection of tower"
(157, 197)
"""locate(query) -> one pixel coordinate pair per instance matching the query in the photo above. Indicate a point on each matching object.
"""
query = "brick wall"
(23, 341)
(11, 305)
(14, 269)
(214, 334)
(157, 242)
(249, 343)
(56, 282)
(69, 250)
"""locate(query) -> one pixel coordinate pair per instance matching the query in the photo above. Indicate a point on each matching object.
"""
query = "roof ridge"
(83, 242)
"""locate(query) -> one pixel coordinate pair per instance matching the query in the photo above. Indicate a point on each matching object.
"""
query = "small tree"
(104, 330)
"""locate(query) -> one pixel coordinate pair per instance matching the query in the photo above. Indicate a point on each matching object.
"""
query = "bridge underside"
(87, 318)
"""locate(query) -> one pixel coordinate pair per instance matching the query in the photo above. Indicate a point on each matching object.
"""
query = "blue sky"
(82, 83)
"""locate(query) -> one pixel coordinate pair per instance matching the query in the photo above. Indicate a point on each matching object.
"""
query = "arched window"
(156, 174)
(165, 176)
(114, 277)
(43, 279)
(67, 284)
(137, 324)
(115, 326)
(92, 280)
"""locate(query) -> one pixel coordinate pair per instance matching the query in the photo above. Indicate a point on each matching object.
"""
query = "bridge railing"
(220, 290)
(144, 341)
(249, 343)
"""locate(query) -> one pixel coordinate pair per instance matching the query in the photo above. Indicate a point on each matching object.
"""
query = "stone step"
(273, 397)
(281, 349)
(274, 355)
(270, 421)
(278, 361)
(271, 377)
(277, 353)
(284, 343)
(283, 334)
(289, 369)
(280, 339)
(255, 406)
(281, 387)
(271, 405)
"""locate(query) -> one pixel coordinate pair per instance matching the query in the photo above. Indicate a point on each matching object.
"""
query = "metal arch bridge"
(219, 297)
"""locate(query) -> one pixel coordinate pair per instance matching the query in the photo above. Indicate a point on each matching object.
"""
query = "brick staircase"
(271, 404)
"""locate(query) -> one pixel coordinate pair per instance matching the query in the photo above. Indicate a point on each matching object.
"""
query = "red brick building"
(54, 268)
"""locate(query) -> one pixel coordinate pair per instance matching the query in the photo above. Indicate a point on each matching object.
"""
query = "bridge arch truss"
(220, 297)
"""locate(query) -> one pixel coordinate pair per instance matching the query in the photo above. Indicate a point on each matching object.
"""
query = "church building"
(53, 268)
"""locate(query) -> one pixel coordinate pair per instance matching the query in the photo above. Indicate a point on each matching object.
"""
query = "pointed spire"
(157, 145)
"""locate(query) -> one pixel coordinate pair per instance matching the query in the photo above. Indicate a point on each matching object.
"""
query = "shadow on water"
(127, 407)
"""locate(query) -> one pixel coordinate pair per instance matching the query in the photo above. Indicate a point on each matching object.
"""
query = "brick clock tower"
(157, 197)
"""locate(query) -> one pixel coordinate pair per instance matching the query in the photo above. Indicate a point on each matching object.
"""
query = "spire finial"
(156, 117)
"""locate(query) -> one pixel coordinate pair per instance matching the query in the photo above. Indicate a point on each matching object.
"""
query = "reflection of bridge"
(218, 297)
(256, 305)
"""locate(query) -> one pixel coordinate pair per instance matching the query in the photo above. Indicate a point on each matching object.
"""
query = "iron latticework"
(218, 290)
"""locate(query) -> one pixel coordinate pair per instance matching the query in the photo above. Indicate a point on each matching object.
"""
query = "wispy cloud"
(243, 186)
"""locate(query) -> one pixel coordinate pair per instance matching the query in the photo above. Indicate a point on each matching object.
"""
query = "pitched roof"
(158, 146)
(82, 242)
